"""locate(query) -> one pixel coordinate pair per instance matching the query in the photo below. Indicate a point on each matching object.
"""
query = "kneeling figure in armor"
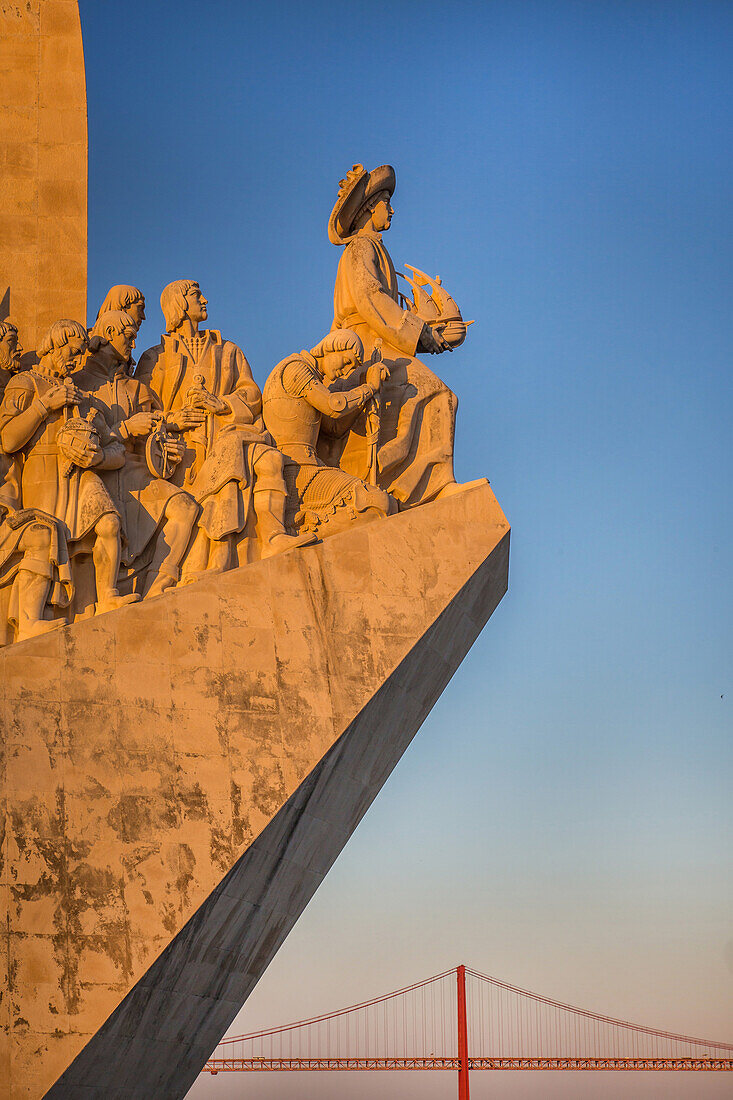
(298, 407)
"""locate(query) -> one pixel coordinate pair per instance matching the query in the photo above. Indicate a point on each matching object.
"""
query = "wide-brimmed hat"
(354, 192)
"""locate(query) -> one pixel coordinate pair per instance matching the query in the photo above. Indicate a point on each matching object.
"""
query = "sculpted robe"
(78, 499)
(217, 467)
(418, 411)
(141, 498)
(54, 565)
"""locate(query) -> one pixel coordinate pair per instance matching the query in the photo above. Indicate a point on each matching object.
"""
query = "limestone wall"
(43, 165)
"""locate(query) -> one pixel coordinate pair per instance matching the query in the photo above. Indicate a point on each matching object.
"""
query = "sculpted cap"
(355, 191)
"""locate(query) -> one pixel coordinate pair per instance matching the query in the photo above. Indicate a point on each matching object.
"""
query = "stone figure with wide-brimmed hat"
(417, 410)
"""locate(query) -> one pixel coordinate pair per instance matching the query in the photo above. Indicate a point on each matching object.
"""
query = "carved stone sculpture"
(298, 408)
(35, 575)
(157, 516)
(63, 440)
(417, 428)
(10, 353)
(126, 298)
(435, 307)
(229, 465)
(34, 563)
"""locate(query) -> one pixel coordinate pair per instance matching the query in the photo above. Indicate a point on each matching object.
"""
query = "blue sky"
(563, 820)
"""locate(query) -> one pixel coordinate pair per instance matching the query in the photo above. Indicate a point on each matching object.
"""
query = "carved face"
(10, 351)
(382, 213)
(68, 357)
(137, 311)
(338, 364)
(123, 342)
(196, 305)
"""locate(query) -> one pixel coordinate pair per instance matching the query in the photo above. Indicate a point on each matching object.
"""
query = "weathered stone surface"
(43, 165)
(180, 774)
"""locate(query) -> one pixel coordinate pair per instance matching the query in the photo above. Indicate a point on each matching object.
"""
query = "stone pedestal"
(179, 776)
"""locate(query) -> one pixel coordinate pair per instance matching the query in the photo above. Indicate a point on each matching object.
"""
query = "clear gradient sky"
(563, 819)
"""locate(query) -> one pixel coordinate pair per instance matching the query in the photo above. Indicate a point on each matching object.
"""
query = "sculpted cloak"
(418, 411)
(53, 565)
(217, 467)
(142, 498)
(77, 499)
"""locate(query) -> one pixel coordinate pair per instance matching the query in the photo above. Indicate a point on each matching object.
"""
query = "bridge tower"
(463, 1086)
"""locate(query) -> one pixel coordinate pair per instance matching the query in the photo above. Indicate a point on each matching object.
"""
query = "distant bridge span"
(461, 1020)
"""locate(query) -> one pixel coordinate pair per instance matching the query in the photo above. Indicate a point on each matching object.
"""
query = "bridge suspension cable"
(463, 1020)
(507, 1022)
(392, 1026)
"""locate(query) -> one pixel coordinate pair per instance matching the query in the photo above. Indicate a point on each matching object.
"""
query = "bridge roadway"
(298, 1065)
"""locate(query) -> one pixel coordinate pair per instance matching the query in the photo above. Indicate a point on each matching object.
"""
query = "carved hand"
(174, 450)
(186, 418)
(58, 395)
(376, 374)
(208, 402)
(84, 453)
(432, 341)
(142, 423)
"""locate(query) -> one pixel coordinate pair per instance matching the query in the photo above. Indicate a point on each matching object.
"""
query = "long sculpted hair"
(340, 339)
(363, 216)
(173, 302)
(6, 327)
(116, 319)
(119, 298)
(59, 334)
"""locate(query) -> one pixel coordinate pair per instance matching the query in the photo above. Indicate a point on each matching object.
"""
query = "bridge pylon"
(463, 1084)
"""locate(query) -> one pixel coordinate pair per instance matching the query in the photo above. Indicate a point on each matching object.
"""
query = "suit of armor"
(321, 498)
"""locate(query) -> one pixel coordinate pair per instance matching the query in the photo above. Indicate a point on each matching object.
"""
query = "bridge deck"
(320, 1065)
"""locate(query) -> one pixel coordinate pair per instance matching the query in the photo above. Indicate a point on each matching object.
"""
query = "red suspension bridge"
(462, 1021)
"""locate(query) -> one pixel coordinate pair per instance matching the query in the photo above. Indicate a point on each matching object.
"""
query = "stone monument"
(43, 163)
(224, 613)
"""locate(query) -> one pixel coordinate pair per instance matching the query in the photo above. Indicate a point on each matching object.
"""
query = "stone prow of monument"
(180, 775)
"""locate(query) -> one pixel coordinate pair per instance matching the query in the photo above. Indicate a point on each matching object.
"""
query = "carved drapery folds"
(119, 482)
